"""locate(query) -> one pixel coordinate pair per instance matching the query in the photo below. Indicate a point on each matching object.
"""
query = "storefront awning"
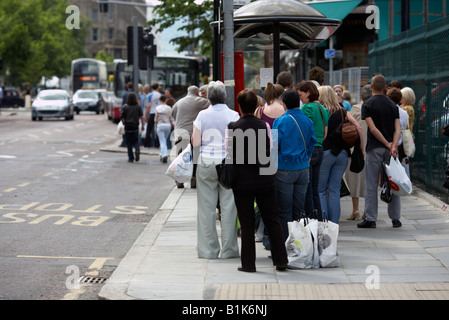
(334, 9)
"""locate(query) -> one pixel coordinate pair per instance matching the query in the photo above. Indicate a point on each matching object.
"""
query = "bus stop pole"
(135, 56)
(228, 51)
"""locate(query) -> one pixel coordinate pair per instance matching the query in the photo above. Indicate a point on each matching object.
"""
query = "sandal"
(354, 216)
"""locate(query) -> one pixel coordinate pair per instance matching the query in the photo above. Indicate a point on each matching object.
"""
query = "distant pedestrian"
(339, 91)
(164, 121)
(208, 136)
(356, 181)
(252, 185)
(285, 79)
(384, 130)
(317, 74)
(130, 115)
(309, 94)
(185, 112)
(150, 114)
(170, 99)
(294, 142)
(335, 156)
(274, 107)
(129, 88)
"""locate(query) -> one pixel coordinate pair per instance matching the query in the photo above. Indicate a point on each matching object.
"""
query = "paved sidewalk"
(411, 262)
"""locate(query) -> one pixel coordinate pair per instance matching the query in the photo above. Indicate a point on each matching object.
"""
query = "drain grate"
(93, 280)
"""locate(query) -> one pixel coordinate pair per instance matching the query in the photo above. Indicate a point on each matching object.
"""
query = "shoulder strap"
(322, 117)
(299, 130)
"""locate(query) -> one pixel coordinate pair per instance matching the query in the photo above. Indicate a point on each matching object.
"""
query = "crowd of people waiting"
(298, 129)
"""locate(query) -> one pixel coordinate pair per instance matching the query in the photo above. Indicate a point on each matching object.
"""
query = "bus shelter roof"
(280, 25)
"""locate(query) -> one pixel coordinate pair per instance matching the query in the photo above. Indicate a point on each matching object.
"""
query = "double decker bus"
(177, 73)
(88, 73)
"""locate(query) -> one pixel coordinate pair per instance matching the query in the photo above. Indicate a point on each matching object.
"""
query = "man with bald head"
(384, 130)
(185, 111)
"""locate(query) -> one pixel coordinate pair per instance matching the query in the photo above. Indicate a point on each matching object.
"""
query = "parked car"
(88, 100)
(107, 98)
(52, 103)
(11, 98)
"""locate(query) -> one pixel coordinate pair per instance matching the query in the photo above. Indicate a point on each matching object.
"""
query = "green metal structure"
(419, 58)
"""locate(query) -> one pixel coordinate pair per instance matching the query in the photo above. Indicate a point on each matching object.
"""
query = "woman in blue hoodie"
(294, 140)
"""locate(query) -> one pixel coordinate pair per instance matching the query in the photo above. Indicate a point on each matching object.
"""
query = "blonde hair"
(409, 96)
(328, 99)
(273, 92)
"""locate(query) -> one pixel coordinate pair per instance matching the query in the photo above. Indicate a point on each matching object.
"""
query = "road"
(67, 209)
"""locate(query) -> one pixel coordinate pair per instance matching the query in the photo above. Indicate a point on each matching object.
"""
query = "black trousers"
(266, 199)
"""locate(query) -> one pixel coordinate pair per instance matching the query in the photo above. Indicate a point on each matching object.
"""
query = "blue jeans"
(291, 189)
(163, 132)
(331, 173)
(312, 196)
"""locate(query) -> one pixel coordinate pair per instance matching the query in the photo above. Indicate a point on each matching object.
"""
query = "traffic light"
(148, 46)
(104, 6)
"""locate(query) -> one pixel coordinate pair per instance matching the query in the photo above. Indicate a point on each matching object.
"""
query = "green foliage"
(194, 17)
(35, 42)
(104, 56)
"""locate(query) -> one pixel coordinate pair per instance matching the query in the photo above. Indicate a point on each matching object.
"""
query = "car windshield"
(87, 95)
(52, 96)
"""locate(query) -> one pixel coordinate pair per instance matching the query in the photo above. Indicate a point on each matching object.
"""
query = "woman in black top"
(255, 181)
(130, 115)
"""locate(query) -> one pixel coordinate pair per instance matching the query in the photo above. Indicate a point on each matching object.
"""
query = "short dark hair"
(395, 94)
(285, 79)
(317, 74)
(154, 86)
(291, 99)
(395, 84)
(130, 85)
(247, 101)
(378, 83)
(310, 87)
(131, 99)
(163, 98)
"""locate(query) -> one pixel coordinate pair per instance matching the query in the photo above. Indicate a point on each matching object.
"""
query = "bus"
(178, 73)
(88, 73)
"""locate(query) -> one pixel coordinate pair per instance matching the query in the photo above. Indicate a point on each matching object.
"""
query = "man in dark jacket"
(130, 115)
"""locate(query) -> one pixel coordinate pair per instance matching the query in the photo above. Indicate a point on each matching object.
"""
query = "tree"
(195, 17)
(104, 56)
(35, 41)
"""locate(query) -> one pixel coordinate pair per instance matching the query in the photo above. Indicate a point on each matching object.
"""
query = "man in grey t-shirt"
(185, 111)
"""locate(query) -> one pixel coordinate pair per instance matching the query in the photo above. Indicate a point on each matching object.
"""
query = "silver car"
(52, 104)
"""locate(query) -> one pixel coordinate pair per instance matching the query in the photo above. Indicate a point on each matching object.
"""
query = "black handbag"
(357, 161)
(226, 174)
(226, 169)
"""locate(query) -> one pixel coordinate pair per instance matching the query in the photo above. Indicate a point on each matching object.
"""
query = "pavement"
(407, 263)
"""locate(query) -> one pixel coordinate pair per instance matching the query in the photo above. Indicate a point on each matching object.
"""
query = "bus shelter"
(269, 26)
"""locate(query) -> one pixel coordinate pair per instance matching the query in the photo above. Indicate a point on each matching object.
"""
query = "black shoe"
(282, 267)
(131, 161)
(180, 185)
(137, 154)
(396, 223)
(193, 183)
(246, 269)
(366, 224)
(164, 159)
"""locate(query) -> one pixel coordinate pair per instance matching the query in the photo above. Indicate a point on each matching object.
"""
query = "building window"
(118, 53)
(95, 34)
(111, 33)
(95, 14)
(111, 13)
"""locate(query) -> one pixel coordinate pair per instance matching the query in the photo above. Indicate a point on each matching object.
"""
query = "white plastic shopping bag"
(313, 227)
(327, 244)
(400, 183)
(181, 169)
(120, 128)
(299, 245)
